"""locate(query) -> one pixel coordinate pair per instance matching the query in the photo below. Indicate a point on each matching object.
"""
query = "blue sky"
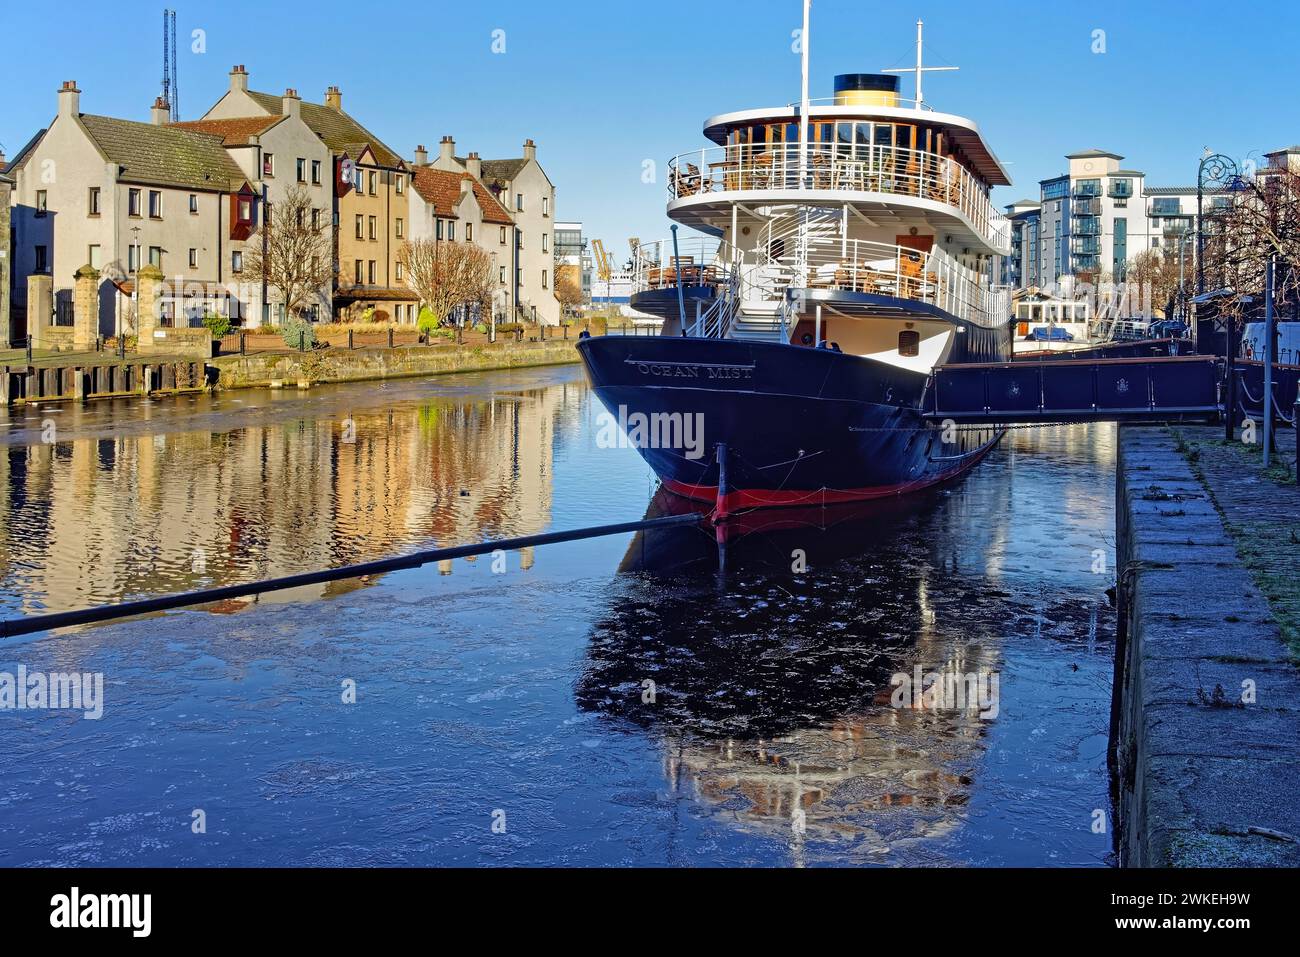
(604, 86)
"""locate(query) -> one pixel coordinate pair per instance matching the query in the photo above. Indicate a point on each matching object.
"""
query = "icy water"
(659, 699)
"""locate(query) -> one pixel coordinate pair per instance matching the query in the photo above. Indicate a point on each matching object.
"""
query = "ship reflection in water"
(762, 656)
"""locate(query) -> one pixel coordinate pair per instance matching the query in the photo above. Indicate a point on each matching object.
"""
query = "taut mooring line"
(26, 626)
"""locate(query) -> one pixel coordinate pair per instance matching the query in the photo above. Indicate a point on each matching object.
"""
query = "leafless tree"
(568, 287)
(1154, 273)
(1261, 221)
(446, 275)
(298, 261)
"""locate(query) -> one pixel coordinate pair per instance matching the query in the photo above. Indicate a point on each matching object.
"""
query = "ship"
(841, 249)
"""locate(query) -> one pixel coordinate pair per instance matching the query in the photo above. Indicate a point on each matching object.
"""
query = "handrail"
(892, 170)
(900, 102)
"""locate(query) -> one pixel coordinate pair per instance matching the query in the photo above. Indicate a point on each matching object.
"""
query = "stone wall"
(1205, 726)
(356, 365)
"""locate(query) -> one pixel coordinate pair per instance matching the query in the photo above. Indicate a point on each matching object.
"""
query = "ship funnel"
(866, 89)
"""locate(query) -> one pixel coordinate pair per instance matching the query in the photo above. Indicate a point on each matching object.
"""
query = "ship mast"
(801, 244)
(919, 69)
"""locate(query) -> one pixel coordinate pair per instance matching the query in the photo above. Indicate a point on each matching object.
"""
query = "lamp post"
(1214, 171)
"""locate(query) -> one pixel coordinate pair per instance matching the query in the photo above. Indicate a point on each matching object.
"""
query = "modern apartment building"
(116, 194)
(451, 206)
(371, 204)
(573, 257)
(1020, 269)
(522, 187)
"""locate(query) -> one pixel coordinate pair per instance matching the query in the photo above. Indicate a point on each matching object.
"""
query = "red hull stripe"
(785, 498)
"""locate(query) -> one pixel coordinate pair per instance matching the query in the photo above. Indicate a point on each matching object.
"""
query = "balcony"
(1086, 187)
(888, 170)
(1121, 189)
(1164, 207)
(1086, 245)
(1086, 227)
(1086, 206)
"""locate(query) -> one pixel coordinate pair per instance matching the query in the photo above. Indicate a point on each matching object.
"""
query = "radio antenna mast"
(171, 93)
(919, 69)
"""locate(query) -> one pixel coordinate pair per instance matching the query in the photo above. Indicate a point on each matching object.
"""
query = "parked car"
(1049, 334)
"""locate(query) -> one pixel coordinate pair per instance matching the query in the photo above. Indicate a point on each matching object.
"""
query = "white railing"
(852, 265)
(893, 171)
(900, 102)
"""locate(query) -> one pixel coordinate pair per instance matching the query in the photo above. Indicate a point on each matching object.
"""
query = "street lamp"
(1215, 171)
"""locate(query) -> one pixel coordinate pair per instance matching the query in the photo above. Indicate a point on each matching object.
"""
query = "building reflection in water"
(102, 519)
(772, 688)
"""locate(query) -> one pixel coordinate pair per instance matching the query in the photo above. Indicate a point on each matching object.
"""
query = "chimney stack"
(290, 103)
(160, 113)
(466, 184)
(239, 78)
(334, 99)
(447, 150)
(474, 165)
(421, 156)
(530, 150)
(69, 99)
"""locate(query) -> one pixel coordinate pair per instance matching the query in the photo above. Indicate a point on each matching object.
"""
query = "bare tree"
(298, 260)
(1261, 221)
(446, 275)
(1155, 274)
(568, 287)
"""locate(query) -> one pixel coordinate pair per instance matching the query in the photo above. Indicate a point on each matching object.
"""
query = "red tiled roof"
(235, 131)
(441, 188)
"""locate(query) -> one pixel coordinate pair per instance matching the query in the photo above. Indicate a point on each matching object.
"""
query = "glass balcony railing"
(1087, 187)
(1086, 227)
(1121, 189)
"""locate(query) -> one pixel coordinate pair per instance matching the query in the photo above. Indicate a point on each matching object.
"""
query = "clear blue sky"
(604, 86)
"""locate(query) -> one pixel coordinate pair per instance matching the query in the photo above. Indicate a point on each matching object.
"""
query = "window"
(546, 205)
(42, 262)
(374, 228)
(546, 245)
(374, 183)
(245, 210)
(503, 235)
(155, 204)
(42, 202)
(397, 272)
(315, 219)
(92, 201)
(194, 204)
(544, 286)
(519, 239)
(315, 172)
(361, 226)
(451, 230)
(133, 202)
(268, 164)
(370, 272)
(503, 275)
(194, 258)
(132, 258)
(360, 273)
(302, 170)
(401, 184)
(909, 343)
(519, 202)
(438, 230)
(399, 228)
(469, 232)
(236, 261)
(92, 256)
(155, 256)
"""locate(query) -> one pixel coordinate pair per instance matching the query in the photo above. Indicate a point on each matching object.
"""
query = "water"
(614, 701)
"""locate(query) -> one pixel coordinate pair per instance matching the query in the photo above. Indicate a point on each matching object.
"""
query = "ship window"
(864, 140)
(884, 134)
(909, 343)
(844, 138)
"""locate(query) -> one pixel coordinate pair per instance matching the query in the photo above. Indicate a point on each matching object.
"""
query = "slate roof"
(164, 155)
(233, 132)
(503, 170)
(1093, 154)
(21, 156)
(337, 130)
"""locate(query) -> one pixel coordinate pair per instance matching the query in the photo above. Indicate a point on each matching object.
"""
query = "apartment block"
(451, 206)
(7, 334)
(572, 257)
(116, 194)
(370, 203)
(523, 189)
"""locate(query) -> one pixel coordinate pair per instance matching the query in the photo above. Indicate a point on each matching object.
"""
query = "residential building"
(573, 257)
(1020, 269)
(451, 206)
(371, 203)
(7, 332)
(522, 187)
(116, 194)
(279, 154)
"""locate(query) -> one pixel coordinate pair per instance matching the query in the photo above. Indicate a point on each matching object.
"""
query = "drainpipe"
(266, 307)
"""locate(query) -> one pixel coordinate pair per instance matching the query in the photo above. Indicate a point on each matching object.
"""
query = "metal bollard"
(350, 345)
(243, 343)
(29, 350)
(390, 337)
(302, 340)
